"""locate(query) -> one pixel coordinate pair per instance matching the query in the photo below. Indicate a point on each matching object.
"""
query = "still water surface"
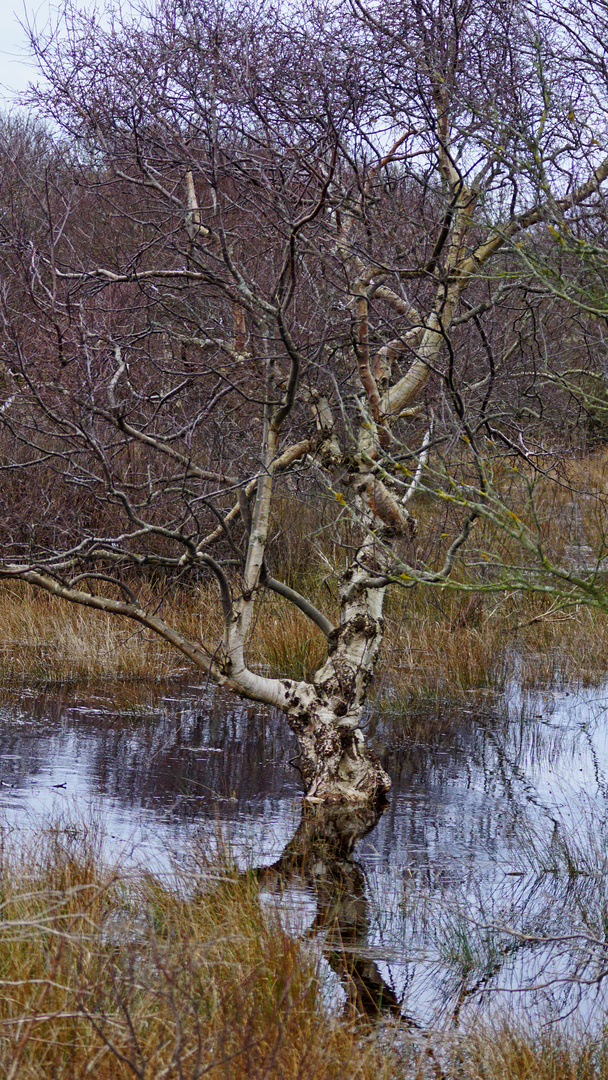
(483, 885)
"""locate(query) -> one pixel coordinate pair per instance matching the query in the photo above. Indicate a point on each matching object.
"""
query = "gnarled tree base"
(334, 760)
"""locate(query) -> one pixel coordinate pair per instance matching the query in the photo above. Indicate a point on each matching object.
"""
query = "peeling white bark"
(326, 715)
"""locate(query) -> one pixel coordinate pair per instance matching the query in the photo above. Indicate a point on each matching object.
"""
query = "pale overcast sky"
(15, 68)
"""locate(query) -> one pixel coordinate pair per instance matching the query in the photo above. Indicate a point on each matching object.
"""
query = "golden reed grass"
(438, 646)
(114, 975)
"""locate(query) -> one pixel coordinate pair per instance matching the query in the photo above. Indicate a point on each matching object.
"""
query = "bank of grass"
(445, 648)
(46, 639)
(116, 975)
(439, 646)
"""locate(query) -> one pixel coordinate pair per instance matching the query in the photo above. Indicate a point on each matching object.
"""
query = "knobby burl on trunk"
(326, 715)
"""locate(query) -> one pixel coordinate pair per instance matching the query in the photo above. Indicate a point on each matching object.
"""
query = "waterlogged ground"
(483, 885)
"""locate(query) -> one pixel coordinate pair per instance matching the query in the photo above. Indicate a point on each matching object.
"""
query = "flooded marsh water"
(481, 886)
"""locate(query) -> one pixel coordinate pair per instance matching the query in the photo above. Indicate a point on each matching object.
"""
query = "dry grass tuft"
(47, 639)
(286, 642)
(507, 1053)
(115, 975)
(446, 648)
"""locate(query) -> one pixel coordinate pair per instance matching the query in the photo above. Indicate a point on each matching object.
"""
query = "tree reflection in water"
(485, 889)
(320, 855)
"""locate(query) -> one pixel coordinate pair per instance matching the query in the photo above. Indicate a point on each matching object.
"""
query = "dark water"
(483, 885)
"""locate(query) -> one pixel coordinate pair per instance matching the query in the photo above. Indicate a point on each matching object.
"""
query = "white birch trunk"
(327, 714)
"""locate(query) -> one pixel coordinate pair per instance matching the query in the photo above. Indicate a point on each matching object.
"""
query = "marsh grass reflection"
(490, 856)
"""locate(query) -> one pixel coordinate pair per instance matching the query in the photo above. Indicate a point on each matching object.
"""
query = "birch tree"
(283, 243)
